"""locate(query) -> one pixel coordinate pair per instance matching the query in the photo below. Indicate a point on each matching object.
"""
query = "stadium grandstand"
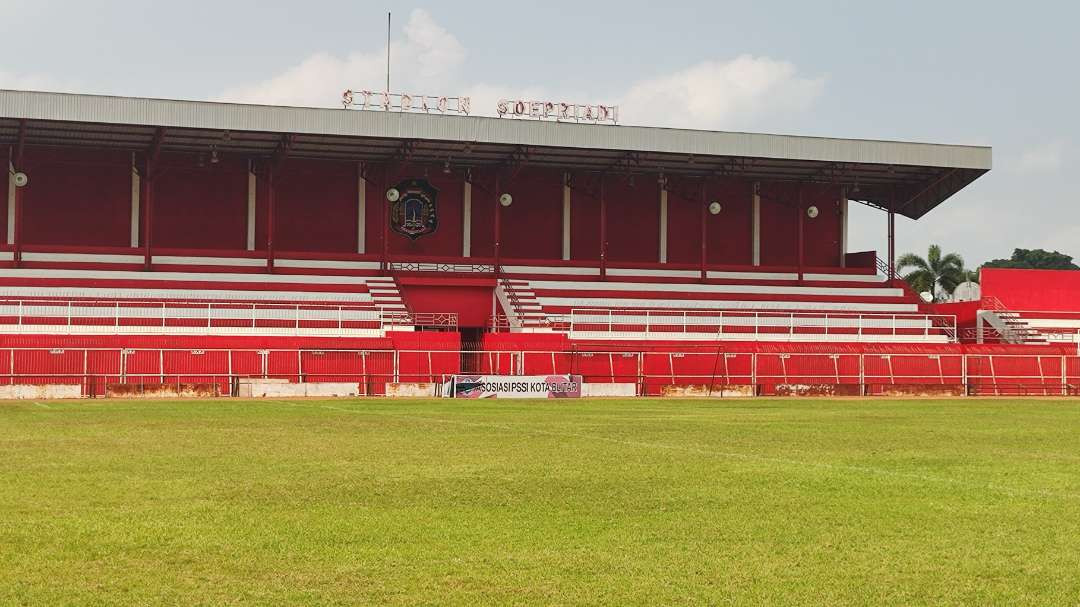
(157, 242)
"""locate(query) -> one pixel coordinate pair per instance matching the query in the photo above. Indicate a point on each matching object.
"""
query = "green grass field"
(544, 502)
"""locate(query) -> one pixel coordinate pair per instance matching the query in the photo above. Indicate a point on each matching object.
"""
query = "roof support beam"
(146, 196)
(17, 200)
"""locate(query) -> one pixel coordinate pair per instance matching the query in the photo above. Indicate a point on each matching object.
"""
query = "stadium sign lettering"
(404, 102)
(557, 110)
(512, 386)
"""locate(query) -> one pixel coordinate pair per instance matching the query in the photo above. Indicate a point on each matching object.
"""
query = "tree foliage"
(936, 273)
(1035, 259)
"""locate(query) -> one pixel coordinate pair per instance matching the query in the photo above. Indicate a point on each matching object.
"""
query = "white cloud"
(1043, 158)
(710, 94)
(718, 94)
(428, 57)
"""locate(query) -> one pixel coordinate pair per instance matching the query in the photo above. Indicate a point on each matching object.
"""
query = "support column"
(703, 220)
(843, 226)
(663, 223)
(498, 221)
(11, 201)
(892, 243)
(148, 216)
(252, 198)
(802, 230)
(15, 201)
(150, 170)
(271, 222)
(603, 231)
(384, 218)
(466, 220)
(18, 204)
(136, 193)
(361, 209)
(566, 217)
(755, 224)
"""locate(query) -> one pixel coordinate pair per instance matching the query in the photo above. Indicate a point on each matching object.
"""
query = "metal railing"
(197, 317)
(684, 324)
(209, 372)
(438, 266)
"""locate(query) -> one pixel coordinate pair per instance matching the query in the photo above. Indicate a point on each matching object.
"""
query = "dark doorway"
(472, 345)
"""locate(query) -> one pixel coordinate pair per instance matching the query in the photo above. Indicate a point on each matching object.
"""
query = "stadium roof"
(912, 177)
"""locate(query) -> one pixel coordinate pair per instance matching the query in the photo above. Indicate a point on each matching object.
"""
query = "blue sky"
(1000, 74)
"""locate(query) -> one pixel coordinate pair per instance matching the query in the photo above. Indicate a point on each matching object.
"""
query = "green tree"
(936, 273)
(1034, 259)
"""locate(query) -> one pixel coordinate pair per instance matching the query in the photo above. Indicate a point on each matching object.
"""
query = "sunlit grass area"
(540, 502)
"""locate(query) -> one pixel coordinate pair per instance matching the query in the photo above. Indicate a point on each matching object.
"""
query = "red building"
(156, 225)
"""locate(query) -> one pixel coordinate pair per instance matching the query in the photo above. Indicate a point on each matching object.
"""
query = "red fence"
(96, 370)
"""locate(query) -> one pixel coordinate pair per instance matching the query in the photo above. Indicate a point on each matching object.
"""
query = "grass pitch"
(542, 502)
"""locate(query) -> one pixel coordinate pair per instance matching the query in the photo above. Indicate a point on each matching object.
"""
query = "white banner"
(512, 386)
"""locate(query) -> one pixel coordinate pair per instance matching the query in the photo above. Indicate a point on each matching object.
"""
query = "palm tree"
(937, 273)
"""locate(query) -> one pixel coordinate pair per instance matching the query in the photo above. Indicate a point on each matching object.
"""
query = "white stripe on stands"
(187, 276)
(845, 277)
(655, 287)
(319, 263)
(1051, 323)
(551, 270)
(180, 294)
(644, 272)
(752, 275)
(780, 337)
(7, 255)
(627, 305)
(172, 330)
(664, 273)
(82, 257)
(209, 261)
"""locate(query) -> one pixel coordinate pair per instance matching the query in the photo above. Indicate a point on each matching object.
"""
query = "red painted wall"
(1033, 290)
(532, 225)
(316, 206)
(200, 207)
(730, 233)
(5, 158)
(483, 215)
(822, 234)
(77, 197)
(684, 223)
(585, 218)
(473, 304)
(80, 197)
(779, 224)
(633, 219)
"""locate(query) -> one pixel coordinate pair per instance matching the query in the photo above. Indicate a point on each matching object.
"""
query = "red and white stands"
(757, 304)
(193, 293)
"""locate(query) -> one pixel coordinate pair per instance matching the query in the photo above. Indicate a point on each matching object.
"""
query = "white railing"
(759, 325)
(205, 318)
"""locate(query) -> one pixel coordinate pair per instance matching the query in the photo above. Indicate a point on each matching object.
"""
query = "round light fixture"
(715, 207)
(812, 212)
(20, 179)
(506, 200)
(393, 194)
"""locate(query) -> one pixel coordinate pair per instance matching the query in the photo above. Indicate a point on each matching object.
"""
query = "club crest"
(415, 212)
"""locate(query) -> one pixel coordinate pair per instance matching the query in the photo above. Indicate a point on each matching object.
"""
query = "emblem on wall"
(413, 208)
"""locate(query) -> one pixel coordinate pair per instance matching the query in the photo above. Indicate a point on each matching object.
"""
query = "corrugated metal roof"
(279, 119)
(914, 176)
